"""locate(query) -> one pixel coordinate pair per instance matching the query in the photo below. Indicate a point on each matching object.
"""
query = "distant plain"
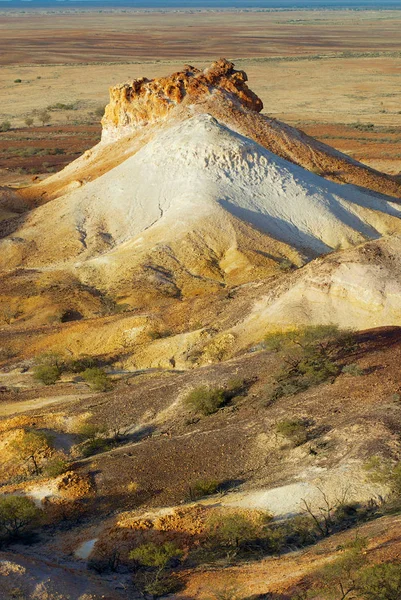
(335, 74)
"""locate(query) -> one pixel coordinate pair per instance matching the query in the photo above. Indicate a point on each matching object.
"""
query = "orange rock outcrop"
(145, 101)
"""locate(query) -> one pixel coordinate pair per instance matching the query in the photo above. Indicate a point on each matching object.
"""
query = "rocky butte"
(145, 279)
(192, 192)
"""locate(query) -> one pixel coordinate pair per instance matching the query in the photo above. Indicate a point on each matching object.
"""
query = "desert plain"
(333, 74)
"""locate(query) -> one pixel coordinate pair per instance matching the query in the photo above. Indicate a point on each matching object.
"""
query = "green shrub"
(156, 555)
(157, 558)
(56, 466)
(17, 80)
(159, 334)
(235, 532)
(164, 585)
(62, 106)
(203, 487)
(299, 531)
(91, 431)
(32, 448)
(311, 356)
(352, 369)
(95, 447)
(317, 171)
(205, 400)
(381, 582)
(295, 430)
(48, 368)
(80, 364)
(47, 374)
(97, 379)
(5, 126)
(44, 117)
(339, 579)
(16, 514)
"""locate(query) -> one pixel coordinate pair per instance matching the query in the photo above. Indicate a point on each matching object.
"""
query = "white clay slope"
(198, 169)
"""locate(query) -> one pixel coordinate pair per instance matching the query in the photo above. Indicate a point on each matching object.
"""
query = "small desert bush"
(96, 446)
(203, 487)
(17, 513)
(77, 365)
(381, 582)
(352, 369)
(295, 430)
(158, 334)
(32, 449)
(286, 265)
(97, 379)
(62, 106)
(205, 400)
(48, 368)
(235, 532)
(317, 171)
(99, 111)
(155, 562)
(56, 466)
(311, 355)
(47, 374)
(5, 126)
(91, 431)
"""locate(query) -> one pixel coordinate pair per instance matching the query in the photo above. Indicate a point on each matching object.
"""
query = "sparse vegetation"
(235, 532)
(32, 448)
(95, 446)
(339, 579)
(5, 126)
(336, 513)
(56, 466)
(158, 334)
(16, 514)
(295, 430)
(44, 117)
(48, 368)
(352, 369)
(386, 473)
(381, 582)
(311, 356)
(203, 487)
(47, 374)
(155, 560)
(206, 400)
(62, 106)
(99, 111)
(97, 379)
(96, 439)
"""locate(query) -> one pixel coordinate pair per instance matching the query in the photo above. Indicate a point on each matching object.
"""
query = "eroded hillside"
(200, 340)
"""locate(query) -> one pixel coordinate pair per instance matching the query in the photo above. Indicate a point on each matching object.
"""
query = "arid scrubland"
(200, 316)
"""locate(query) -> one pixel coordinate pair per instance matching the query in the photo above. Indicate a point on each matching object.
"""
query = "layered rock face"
(144, 101)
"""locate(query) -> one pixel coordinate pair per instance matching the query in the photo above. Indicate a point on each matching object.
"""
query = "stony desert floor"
(333, 74)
